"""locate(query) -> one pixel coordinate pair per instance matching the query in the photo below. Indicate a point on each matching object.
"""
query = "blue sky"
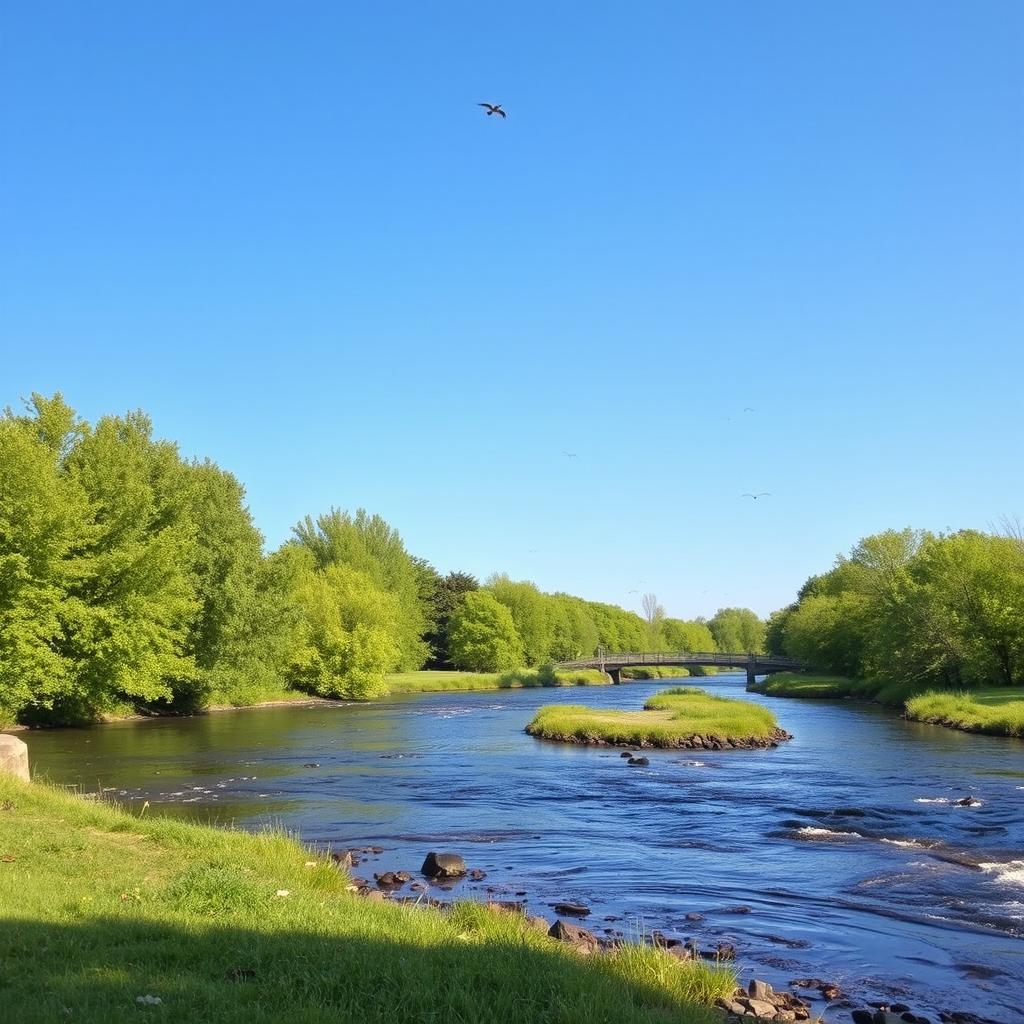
(288, 233)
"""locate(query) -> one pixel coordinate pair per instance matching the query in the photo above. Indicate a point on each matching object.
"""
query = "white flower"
(284, 892)
(149, 1000)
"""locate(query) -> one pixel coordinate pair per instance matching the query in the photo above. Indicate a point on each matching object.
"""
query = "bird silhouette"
(760, 494)
(493, 108)
(570, 455)
(748, 408)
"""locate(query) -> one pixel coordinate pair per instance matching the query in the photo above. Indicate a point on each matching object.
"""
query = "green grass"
(431, 682)
(999, 712)
(671, 718)
(98, 907)
(655, 672)
(795, 684)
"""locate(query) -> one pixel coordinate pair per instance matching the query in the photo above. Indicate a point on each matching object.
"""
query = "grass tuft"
(994, 712)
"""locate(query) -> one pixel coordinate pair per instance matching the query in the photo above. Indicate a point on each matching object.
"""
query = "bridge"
(755, 664)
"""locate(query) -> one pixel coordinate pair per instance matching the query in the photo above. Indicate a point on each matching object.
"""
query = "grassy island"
(682, 717)
(99, 908)
(520, 679)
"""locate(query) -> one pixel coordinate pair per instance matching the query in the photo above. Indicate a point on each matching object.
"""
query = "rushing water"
(845, 843)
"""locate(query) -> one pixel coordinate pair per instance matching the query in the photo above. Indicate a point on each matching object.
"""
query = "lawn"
(100, 908)
(682, 717)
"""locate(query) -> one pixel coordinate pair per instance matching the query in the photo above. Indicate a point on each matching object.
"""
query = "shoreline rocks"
(443, 865)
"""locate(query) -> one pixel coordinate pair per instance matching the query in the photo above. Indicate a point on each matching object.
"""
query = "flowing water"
(844, 844)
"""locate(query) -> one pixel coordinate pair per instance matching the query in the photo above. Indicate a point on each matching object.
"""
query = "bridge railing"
(680, 658)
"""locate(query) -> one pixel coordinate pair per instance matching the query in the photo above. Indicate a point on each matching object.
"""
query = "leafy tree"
(367, 543)
(446, 598)
(531, 614)
(692, 636)
(737, 630)
(483, 636)
(344, 640)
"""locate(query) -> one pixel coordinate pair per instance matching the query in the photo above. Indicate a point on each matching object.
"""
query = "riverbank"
(518, 679)
(685, 718)
(995, 711)
(109, 915)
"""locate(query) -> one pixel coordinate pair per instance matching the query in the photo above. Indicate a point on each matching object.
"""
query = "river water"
(845, 843)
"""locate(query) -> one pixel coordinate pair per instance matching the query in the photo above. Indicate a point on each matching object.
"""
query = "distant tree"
(483, 636)
(447, 596)
(737, 630)
(654, 616)
(691, 636)
(531, 612)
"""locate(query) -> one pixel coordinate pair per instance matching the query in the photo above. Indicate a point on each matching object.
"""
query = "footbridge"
(754, 664)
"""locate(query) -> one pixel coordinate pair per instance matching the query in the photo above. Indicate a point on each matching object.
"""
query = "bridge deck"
(757, 662)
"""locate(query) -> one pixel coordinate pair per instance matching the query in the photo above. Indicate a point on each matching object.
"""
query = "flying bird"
(748, 408)
(493, 108)
(570, 455)
(760, 494)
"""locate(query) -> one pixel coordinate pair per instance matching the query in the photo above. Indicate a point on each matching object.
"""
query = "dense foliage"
(915, 608)
(133, 579)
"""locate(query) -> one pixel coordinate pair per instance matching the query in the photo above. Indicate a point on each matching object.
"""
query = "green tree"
(692, 636)
(737, 630)
(368, 544)
(483, 636)
(446, 597)
(531, 613)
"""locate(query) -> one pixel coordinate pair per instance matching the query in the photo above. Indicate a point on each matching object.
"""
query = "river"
(845, 843)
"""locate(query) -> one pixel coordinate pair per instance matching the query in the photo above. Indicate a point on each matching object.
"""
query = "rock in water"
(443, 865)
(640, 762)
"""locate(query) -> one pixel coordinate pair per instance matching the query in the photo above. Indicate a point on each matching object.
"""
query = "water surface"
(845, 843)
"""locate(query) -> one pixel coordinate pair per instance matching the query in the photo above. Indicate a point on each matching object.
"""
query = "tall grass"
(655, 672)
(99, 907)
(669, 718)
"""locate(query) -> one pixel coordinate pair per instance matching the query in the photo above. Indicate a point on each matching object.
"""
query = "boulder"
(13, 757)
(760, 990)
(626, 753)
(638, 762)
(862, 1017)
(731, 1006)
(759, 1007)
(577, 937)
(443, 865)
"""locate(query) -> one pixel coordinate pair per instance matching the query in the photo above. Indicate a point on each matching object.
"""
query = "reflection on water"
(846, 844)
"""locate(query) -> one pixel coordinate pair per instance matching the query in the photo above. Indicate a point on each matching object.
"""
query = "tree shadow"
(94, 971)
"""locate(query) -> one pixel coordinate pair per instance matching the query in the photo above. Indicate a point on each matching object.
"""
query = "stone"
(477, 875)
(443, 865)
(760, 1007)
(784, 1015)
(506, 907)
(540, 923)
(967, 801)
(626, 753)
(680, 952)
(13, 757)
(638, 762)
(374, 896)
(760, 990)
(885, 1017)
(573, 909)
(574, 935)
(731, 1006)
(694, 916)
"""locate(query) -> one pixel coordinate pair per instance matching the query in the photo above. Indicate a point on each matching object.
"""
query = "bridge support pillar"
(616, 674)
(751, 671)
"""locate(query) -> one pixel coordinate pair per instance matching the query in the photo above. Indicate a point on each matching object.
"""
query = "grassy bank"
(682, 717)
(655, 672)
(998, 712)
(99, 907)
(432, 682)
(796, 684)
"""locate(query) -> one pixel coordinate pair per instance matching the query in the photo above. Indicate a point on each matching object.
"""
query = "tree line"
(133, 579)
(915, 608)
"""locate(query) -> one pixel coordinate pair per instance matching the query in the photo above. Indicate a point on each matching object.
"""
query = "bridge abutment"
(616, 674)
(751, 671)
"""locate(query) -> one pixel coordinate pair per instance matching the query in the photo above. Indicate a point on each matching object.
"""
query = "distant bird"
(634, 591)
(748, 408)
(760, 494)
(493, 108)
(570, 455)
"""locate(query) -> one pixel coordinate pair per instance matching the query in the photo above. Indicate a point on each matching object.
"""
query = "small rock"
(759, 1007)
(760, 990)
(736, 910)
(731, 1006)
(638, 762)
(694, 916)
(374, 895)
(966, 801)
(311, 764)
(443, 865)
(540, 923)
(862, 1017)
(626, 753)
(573, 909)
(344, 860)
(476, 875)
(680, 952)
(580, 938)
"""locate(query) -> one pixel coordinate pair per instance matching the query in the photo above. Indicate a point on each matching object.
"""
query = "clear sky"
(287, 232)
